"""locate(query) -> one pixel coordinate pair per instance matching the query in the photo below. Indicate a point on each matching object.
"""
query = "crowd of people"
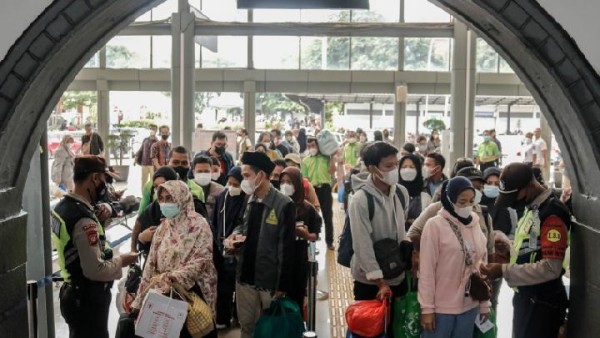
(236, 233)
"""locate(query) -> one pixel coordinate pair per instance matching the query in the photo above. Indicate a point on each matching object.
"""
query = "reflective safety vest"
(527, 238)
(64, 217)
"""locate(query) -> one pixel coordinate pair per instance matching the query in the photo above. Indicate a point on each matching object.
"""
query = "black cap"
(514, 177)
(490, 172)
(259, 160)
(470, 173)
(89, 164)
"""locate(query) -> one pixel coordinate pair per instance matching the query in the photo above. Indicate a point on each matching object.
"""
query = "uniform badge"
(272, 218)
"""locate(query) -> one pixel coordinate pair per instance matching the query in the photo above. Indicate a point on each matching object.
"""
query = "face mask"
(101, 191)
(182, 172)
(491, 191)
(463, 212)
(352, 140)
(275, 184)
(528, 141)
(220, 150)
(390, 178)
(215, 176)
(249, 186)
(288, 189)
(169, 210)
(203, 179)
(486, 139)
(289, 139)
(164, 137)
(234, 191)
(422, 147)
(408, 174)
(313, 151)
(478, 196)
(519, 204)
(426, 172)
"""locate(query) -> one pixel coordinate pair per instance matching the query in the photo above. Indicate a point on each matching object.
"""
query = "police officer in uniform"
(85, 259)
(535, 269)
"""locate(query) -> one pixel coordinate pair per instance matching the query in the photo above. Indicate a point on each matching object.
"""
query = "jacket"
(274, 267)
(443, 273)
(388, 222)
(227, 158)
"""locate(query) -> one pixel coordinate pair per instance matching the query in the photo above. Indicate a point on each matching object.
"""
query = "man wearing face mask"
(291, 140)
(488, 153)
(351, 150)
(279, 166)
(433, 173)
(504, 219)
(202, 177)
(279, 144)
(86, 261)
(263, 244)
(228, 214)
(265, 140)
(527, 149)
(159, 151)
(318, 168)
(387, 222)
(217, 149)
(540, 245)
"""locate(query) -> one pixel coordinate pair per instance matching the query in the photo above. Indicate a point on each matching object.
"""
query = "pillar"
(182, 76)
(400, 116)
(463, 92)
(250, 109)
(103, 113)
(547, 137)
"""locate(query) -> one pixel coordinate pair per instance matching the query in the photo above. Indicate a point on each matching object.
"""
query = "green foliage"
(432, 124)
(277, 102)
(330, 108)
(74, 100)
(120, 144)
(118, 56)
(421, 54)
(487, 58)
(137, 124)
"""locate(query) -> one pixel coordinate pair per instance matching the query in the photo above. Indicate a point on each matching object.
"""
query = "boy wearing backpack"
(376, 264)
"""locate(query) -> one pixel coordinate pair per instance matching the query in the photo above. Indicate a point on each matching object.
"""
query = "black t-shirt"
(251, 243)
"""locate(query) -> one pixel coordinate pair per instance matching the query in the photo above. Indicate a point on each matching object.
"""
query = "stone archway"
(46, 58)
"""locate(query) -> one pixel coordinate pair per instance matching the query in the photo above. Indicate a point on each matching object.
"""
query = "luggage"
(328, 145)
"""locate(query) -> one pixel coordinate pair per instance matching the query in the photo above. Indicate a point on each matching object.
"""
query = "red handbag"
(368, 318)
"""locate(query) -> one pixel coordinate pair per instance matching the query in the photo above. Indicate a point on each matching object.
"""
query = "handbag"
(368, 318)
(389, 257)
(407, 314)
(199, 321)
(477, 287)
(281, 320)
(492, 333)
(328, 145)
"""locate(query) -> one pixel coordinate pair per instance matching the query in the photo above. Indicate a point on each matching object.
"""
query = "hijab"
(298, 197)
(302, 139)
(451, 189)
(414, 187)
(64, 144)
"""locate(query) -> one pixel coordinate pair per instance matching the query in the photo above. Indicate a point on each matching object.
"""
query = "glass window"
(427, 54)
(128, 52)
(374, 53)
(424, 11)
(324, 15)
(276, 52)
(224, 10)
(505, 67)
(232, 53)
(325, 53)
(276, 15)
(219, 110)
(164, 10)
(161, 52)
(487, 58)
(379, 11)
(94, 62)
(140, 105)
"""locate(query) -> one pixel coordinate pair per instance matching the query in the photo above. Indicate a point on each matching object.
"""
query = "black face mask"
(100, 192)
(220, 150)
(519, 204)
(182, 172)
(275, 184)
(164, 137)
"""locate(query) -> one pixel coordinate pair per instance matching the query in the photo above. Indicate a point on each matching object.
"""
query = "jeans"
(453, 326)
(326, 201)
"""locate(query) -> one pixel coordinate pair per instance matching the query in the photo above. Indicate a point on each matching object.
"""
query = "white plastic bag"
(328, 145)
(161, 316)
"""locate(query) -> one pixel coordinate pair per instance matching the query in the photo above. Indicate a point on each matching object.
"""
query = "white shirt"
(528, 152)
(539, 146)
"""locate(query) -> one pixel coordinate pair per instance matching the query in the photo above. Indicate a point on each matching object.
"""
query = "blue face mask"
(169, 210)
(491, 191)
(486, 139)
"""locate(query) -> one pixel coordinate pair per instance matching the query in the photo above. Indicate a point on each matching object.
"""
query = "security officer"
(85, 259)
(535, 269)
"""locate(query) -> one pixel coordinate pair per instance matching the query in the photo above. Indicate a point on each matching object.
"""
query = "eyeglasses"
(177, 163)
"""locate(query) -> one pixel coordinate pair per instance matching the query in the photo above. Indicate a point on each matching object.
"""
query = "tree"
(78, 100)
(118, 56)
(272, 103)
(436, 124)
(487, 58)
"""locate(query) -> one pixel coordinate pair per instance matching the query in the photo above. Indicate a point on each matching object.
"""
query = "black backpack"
(345, 250)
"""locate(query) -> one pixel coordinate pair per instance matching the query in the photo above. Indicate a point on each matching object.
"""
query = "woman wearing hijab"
(308, 227)
(62, 168)
(452, 248)
(181, 251)
(411, 177)
(302, 140)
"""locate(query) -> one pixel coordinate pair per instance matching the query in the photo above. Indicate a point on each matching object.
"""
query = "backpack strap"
(401, 197)
(370, 204)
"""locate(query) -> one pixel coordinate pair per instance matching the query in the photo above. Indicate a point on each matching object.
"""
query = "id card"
(485, 326)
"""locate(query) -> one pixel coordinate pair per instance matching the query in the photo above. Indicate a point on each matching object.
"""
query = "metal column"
(400, 116)
(103, 113)
(547, 137)
(462, 89)
(371, 115)
(250, 108)
(470, 92)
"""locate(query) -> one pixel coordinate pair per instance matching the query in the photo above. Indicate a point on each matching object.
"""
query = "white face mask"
(249, 186)
(215, 176)
(426, 172)
(491, 191)
(463, 212)
(203, 179)
(234, 191)
(422, 147)
(287, 189)
(408, 174)
(313, 151)
(478, 196)
(390, 177)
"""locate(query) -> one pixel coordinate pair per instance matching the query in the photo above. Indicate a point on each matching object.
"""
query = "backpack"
(345, 250)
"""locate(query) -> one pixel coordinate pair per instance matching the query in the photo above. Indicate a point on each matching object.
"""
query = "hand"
(146, 235)
(302, 232)
(233, 242)
(566, 195)
(428, 321)
(484, 317)
(129, 258)
(492, 271)
(384, 292)
(279, 295)
(103, 212)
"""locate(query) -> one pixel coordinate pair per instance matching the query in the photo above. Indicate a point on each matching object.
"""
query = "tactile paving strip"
(340, 282)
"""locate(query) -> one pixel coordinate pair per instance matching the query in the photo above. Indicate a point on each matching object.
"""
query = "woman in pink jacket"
(447, 310)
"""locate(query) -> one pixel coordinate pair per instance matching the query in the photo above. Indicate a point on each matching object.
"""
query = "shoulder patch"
(272, 218)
